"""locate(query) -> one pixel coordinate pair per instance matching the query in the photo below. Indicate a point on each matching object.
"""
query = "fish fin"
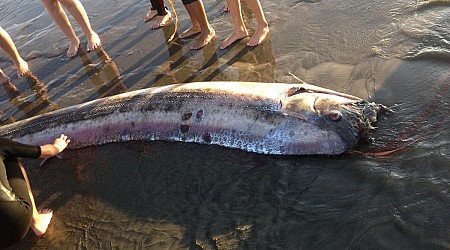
(42, 161)
(296, 115)
(296, 78)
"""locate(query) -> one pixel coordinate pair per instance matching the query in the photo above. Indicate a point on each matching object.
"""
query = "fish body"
(267, 118)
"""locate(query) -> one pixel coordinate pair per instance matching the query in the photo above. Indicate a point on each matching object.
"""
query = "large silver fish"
(267, 118)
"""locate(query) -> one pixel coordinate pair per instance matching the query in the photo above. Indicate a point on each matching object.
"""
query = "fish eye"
(335, 115)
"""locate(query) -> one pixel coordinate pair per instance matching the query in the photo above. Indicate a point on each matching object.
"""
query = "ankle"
(209, 29)
(92, 35)
(75, 41)
(263, 25)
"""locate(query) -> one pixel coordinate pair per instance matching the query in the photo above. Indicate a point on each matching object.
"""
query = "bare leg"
(3, 78)
(59, 16)
(195, 29)
(78, 12)
(240, 31)
(207, 32)
(161, 21)
(263, 27)
(40, 220)
(7, 44)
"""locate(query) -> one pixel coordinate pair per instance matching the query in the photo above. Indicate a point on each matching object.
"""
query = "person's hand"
(61, 143)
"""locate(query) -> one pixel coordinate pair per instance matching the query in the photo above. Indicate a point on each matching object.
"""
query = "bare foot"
(235, 36)
(203, 40)
(259, 36)
(93, 42)
(150, 15)
(161, 21)
(40, 221)
(73, 48)
(22, 68)
(190, 32)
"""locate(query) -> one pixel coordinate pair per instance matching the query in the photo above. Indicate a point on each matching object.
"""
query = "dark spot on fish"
(362, 130)
(186, 116)
(199, 115)
(206, 137)
(184, 128)
(291, 133)
(132, 124)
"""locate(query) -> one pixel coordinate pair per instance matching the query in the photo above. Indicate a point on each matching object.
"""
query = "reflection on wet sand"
(28, 105)
(167, 73)
(184, 65)
(238, 63)
(104, 75)
(243, 63)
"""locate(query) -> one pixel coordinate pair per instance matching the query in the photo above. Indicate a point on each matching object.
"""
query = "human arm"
(50, 150)
(10, 148)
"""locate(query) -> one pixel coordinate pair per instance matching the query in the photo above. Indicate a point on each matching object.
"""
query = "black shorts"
(188, 1)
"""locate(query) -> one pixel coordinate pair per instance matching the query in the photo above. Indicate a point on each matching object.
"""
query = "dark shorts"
(159, 6)
(187, 1)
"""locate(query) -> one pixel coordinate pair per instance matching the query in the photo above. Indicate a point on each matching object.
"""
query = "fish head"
(333, 122)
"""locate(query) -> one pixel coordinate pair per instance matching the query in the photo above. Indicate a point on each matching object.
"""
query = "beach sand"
(161, 195)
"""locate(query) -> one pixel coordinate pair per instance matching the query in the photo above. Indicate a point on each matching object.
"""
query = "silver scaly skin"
(267, 118)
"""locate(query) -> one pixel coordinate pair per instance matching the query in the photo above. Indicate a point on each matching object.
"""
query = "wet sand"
(160, 195)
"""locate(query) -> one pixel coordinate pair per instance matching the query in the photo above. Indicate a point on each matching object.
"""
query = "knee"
(69, 4)
(51, 5)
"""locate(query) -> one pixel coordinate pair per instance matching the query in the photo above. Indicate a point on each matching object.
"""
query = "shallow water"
(173, 195)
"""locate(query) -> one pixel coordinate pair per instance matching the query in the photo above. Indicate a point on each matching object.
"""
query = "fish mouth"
(362, 117)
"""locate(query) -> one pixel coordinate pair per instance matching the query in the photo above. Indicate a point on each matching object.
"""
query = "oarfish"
(267, 118)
